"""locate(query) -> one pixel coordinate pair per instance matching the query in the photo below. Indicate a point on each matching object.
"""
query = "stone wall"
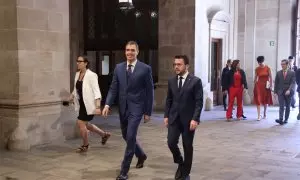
(36, 48)
(176, 36)
(264, 29)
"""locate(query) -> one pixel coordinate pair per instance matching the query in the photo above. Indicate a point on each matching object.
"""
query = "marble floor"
(238, 150)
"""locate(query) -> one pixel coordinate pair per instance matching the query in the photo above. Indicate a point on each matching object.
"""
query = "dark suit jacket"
(135, 96)
(224, 77)
(298, 79)
(186, 104)
(294, 68)
(230, 79)
(282, 85)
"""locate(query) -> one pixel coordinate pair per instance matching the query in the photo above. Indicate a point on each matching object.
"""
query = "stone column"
(241, 29)
(284, 31)
(76, 35)
(36, 44)
(8, 69)
(176, 36)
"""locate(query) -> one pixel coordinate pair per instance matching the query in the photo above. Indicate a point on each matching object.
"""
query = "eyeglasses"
(79, 61)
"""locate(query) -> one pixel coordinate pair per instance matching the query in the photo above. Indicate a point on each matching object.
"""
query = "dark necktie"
(129, 70)
(180, 83)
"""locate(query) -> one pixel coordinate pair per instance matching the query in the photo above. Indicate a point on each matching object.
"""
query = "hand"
(71, 98)
(105, 111)
(193, 125)
(288, 92)
(146, 118)
(166, 121)
(98, 111)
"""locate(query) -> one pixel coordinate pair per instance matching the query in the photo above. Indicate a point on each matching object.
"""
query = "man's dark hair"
(260, 59)
(184, 57)
(285, 61)
(291, 57)
(228, 61)
(234, 64)
(133, 43)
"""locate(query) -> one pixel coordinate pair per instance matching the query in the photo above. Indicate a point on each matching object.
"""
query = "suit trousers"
(284, 101)
(224, 101)
(176, 129)
(293, 100)
(129, 126)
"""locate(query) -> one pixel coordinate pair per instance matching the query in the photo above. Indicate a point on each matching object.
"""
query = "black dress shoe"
(122, 177)
(285, 122)
(298, 117)
(279, 121)
(178, 174)
(140, 163)
(244, 117)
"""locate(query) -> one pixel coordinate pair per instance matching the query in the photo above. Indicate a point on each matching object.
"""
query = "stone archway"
(217, 19)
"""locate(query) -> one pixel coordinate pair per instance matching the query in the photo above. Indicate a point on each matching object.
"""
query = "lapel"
(124, 73)
(186, 83)
(174, 85)
(136, 68)
(76, 76)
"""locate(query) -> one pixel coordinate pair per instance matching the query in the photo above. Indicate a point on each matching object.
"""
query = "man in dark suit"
(292, 67)
(298, 90)
(285, 89)
(223, 82)
(132, 83)
(182, 114)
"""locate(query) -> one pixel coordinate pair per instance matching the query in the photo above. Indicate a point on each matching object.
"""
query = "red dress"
(262, 95)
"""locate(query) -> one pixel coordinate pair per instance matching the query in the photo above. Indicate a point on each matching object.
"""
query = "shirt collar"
(185, 75)
(133, 63)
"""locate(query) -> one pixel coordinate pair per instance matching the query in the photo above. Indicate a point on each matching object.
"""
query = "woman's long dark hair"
(234, 65)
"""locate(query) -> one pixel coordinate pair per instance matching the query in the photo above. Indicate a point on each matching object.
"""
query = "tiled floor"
(239, 150)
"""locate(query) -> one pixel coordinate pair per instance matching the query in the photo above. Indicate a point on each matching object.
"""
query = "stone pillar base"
(36, 125)
(208, 97)
(160, 95)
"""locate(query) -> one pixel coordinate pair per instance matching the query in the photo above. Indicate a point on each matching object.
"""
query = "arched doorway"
(219, 28)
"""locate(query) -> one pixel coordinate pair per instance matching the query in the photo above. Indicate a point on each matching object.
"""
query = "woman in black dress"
(87, 97)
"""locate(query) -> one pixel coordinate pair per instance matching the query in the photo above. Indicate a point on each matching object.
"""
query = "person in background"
(292, 67)
(223, 82)
(298, 90)
(236, 83)
(87, 97)
(262, 87)
(284, 88)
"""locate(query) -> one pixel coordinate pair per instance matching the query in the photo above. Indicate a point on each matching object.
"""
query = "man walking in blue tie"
(132, 83)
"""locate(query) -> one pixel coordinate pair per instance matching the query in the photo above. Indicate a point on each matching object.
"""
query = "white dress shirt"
(183, 78)
(133, 65)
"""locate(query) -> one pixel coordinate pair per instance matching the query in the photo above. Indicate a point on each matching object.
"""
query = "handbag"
(268, 85)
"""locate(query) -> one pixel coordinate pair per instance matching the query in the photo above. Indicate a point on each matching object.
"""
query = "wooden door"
(216, 69)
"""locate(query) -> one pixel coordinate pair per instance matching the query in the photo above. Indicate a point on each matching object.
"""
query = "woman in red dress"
(262, 87)
(235, 83)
